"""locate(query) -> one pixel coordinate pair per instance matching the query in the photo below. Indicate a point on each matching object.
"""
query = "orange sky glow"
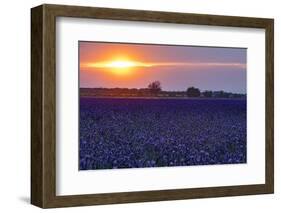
(134, 66)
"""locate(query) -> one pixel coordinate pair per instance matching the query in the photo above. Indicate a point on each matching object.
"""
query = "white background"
(71, 181)
(15, 106)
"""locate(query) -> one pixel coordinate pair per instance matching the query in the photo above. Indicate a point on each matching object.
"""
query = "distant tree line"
(154, 89)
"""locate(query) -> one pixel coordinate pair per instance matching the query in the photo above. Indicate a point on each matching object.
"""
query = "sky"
(125, 65)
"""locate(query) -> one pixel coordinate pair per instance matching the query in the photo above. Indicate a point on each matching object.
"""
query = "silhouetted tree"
(154, 87)
(193, 92)
(207, 94)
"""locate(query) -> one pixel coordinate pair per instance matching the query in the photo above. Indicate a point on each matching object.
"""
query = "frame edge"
(37, 189)
(269, 117)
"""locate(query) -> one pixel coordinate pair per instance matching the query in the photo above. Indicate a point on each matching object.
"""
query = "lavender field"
(138, 133)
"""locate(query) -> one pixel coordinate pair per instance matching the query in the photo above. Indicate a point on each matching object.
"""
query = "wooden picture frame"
(43, 105)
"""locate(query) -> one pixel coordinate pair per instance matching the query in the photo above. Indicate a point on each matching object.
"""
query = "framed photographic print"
(135, 106)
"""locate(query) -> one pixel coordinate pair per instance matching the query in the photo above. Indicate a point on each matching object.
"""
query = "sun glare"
(121, 64)
(125, 66)
(120, 67)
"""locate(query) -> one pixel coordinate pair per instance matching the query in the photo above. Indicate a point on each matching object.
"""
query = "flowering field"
(137, 133)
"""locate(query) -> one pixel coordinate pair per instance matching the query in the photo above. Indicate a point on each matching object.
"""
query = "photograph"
(152, 105)
(133, 105)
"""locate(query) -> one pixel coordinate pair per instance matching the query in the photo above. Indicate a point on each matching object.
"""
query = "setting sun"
(120, 64)
(119, 67)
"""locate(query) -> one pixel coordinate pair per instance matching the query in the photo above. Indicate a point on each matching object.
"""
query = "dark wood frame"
(43, 105)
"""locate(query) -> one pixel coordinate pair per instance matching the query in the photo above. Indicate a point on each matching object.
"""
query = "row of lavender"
(137, 133)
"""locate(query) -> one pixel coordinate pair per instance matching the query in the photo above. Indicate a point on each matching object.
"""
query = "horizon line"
(245, 93)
